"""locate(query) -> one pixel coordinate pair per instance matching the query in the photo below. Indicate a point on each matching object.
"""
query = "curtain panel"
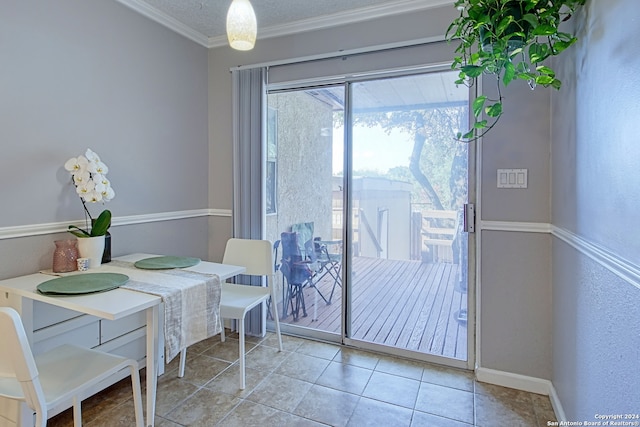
(249, 160)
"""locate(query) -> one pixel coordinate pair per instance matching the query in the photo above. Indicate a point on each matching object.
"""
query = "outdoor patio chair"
(329, 264)
(296, 272)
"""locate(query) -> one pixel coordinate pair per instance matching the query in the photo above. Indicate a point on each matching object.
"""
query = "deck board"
(406, 304)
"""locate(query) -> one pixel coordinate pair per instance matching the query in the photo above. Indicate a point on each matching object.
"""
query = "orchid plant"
(89, 175)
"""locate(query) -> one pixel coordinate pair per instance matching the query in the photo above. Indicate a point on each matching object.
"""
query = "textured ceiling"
(204, 20)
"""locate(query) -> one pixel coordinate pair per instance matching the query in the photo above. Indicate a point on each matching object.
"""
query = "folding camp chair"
(296, 272)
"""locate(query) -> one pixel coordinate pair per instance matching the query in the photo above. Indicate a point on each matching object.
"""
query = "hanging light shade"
(241, 25)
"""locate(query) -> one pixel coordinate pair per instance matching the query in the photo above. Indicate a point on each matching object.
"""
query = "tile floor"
(315, 384)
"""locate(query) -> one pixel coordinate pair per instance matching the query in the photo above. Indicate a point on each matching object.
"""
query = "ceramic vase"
(92, 248)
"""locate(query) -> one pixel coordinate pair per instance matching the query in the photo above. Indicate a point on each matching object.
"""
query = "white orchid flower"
(101, 183)
(93, 197)
(101, 179)
(81, 177)
(92, 156)
(88, 174)
(108, 194)
(86, 188)
(98, 168)
(76, 164)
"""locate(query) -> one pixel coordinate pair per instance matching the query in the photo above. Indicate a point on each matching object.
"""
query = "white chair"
(236, 300)
(64, 374)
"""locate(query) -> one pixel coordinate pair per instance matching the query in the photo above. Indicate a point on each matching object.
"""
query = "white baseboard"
(557, 405)
(517, 381)
(524, 383)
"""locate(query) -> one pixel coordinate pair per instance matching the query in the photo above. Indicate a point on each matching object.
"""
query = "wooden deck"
(406, 304)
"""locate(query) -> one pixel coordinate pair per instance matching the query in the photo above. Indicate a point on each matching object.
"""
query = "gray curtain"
(249, 130)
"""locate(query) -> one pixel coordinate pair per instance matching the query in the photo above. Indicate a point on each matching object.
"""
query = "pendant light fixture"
(241, 25)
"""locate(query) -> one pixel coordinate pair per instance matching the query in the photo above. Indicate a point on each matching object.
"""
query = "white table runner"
(191, 302)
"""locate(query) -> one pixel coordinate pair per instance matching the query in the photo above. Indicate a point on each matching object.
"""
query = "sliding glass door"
(366, 186)
(304, 193)
(408, 188)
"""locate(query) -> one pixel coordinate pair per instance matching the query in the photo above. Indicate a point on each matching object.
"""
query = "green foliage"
(99, 227)
(508, 38)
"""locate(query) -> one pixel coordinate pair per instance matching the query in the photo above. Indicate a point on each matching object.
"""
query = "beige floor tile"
(112, 397)
(171, 392)
(247, 338)
(448, 377)
(163, 422)
(204, 408)
(392, 389)
(363, 359)
(492, 411)
(422, 419)
(251, 414)
(202, 346)
(119, 416)
(349, 378)
(264, 358)
(502, 393)
(543, 409)
(318, 349)
(289, 343)
(229, 381)
(229, 350)
(280, 392)
(201, 369)
(63, 419)
(446, 402)
(303, 367)
(327, 405)
(401, 367)
(373, 413)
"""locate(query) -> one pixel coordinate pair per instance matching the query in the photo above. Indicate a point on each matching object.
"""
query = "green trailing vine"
(510, 39)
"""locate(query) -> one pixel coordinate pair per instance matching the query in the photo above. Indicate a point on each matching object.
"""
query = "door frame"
(473, 239)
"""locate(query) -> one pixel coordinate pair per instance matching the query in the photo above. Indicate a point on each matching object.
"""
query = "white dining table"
(21, 292)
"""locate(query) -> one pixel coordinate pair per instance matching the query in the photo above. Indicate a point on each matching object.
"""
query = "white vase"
(92, 248)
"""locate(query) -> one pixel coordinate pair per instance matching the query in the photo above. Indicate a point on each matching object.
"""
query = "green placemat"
(79, 284)
(165, 262)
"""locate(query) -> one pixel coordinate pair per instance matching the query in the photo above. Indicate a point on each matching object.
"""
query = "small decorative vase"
(65, 256)
(106, 256)
(92, 248)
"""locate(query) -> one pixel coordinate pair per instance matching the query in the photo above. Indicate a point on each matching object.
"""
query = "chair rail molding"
(29, 230)
(613, 262)
(617, 265)
(522, 227)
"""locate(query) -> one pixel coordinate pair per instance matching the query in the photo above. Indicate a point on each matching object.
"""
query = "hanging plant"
(509, 39)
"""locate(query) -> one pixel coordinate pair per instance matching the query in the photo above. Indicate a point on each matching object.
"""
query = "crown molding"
(317, 23)
(349, 17)
(166, 20)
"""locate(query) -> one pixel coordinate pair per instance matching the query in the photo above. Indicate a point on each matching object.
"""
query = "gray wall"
(95, 74)
(515, 293)
(596, 196)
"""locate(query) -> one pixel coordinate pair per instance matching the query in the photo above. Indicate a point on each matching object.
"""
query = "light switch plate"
(512, 178)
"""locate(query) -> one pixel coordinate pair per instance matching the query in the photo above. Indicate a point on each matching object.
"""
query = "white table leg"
(152, 363)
